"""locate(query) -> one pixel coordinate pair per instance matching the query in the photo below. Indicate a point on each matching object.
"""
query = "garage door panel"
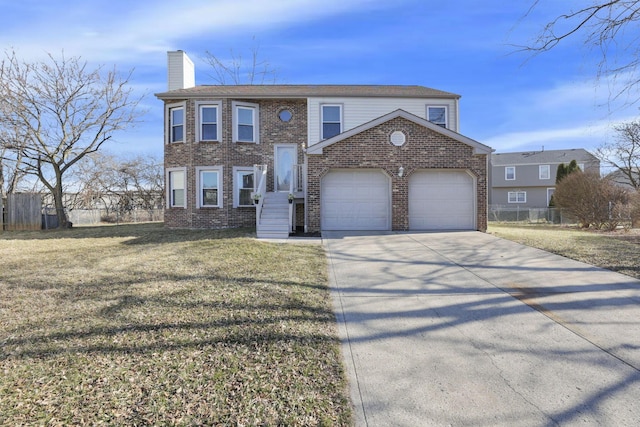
(355, 200)
(441, 200)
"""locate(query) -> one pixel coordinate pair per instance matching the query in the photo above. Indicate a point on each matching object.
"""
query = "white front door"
(285, 158)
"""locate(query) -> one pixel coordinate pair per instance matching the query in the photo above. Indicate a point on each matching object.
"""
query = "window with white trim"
(242, 186)
(517, 197)
(544, 172)
(331, 120)
(176, 188)
(510, 173)
(176, 124)
(209, 121)
(209, 184)
(245, 122)
(437, 115)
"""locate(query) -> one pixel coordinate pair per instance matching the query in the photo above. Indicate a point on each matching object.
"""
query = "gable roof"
(306, 91)
(580, 155)
(478, 148)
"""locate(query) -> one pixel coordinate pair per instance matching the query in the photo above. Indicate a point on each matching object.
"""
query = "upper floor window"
(209, 121)
(437, 115)
(209, 187)
(544, 172)
(176, 188)
(510, 173)
(245, 127)
(176, 124)
(517, 197)
(331, 120)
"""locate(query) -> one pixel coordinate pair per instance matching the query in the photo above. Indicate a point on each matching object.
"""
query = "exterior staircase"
(274, 220)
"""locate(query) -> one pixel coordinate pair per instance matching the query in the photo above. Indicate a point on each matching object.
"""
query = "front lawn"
(618, 251)
(138, 325)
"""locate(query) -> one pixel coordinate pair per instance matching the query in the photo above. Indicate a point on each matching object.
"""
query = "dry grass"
(617, 251)
(138, 325)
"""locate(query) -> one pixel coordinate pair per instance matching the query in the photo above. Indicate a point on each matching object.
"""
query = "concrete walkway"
(466, 329)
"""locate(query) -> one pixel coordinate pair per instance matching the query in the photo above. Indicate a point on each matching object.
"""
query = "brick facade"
(227, 154)
(423, 149)
(371, 148)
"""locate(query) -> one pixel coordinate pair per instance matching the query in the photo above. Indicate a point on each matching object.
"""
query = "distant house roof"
(622, 179)
(305, 91)
(541, 157)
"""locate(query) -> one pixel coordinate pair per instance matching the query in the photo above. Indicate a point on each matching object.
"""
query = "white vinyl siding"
(357, 111)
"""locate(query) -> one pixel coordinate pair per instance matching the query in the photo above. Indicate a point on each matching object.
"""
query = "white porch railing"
(297, 183)
(297, 189)
(259, 188)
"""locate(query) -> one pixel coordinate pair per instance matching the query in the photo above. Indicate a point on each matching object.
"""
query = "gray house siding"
(536, 197)
(529, 190)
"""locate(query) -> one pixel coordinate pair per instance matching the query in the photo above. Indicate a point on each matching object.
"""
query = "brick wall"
(228, 154)
(424, 149)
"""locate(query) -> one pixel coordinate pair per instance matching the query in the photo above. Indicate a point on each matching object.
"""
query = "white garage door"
(355, 200)
(441, 200)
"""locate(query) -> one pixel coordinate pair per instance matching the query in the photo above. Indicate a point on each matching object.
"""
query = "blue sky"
(510, 101)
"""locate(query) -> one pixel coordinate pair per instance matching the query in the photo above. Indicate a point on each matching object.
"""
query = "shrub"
(592, 200)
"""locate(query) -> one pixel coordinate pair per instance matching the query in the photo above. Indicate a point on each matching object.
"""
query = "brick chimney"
(180, 70)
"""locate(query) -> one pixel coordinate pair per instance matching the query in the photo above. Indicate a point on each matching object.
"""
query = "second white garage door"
(441, 200)
(355, 200)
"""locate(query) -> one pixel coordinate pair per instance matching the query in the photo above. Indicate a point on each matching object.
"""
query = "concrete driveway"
(466, 329)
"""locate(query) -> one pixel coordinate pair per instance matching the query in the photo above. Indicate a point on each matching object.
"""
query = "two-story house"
(528, 179)
(318, 157)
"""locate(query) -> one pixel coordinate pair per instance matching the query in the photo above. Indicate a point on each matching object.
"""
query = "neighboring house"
(528, 179)
(624, 180)
(352, 157)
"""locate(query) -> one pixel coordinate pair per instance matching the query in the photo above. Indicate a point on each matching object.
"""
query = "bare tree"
(238, 70)
(10, 171)
(623, 154)
(120, 185)
(610, 27)
(60, 111)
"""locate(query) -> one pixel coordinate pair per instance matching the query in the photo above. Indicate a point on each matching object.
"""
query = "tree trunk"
(63, 222)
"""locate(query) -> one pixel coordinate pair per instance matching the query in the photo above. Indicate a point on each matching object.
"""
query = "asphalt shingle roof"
(304, 91)
(548, 156)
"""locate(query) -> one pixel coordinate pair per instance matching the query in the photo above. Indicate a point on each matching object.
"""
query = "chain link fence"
(97, 216)
(501, 213)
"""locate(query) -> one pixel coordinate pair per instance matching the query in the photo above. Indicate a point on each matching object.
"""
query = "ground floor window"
(176, 188)
(209, 187)
(517, 197)
(243, 186)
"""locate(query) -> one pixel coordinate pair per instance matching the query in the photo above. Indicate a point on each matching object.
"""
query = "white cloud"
(100, 33)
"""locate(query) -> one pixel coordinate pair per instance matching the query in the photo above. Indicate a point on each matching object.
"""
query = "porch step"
(274, 222)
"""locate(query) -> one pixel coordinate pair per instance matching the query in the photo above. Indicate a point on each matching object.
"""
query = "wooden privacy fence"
(24, 212)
